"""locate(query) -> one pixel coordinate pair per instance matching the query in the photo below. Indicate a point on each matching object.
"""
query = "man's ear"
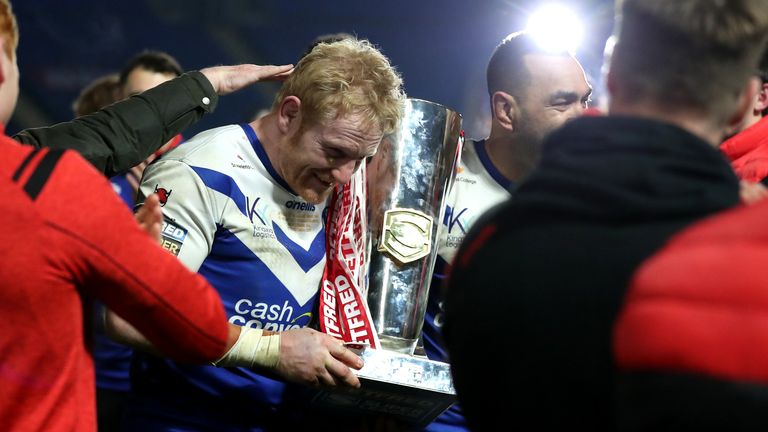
(506, 111)
(746, 103)
(289, 114)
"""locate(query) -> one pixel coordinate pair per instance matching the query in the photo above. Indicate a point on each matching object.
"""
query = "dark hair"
(326, 38)
(506, 70)
(153, 61)
(101, 92)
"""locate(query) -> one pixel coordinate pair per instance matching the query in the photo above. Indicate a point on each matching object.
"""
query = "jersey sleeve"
(96, 243)
(190, 211)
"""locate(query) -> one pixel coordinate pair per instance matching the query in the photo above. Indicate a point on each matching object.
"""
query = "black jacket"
(536, 286)
(123, 134)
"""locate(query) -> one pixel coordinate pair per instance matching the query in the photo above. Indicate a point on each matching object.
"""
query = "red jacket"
(692, 340)
(701, 304)
(67, 237)
(748, 151)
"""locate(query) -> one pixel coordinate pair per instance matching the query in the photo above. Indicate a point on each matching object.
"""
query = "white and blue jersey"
(478, 186)
(234, 220)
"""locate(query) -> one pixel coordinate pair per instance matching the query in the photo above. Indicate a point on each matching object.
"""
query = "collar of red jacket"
(747, 140)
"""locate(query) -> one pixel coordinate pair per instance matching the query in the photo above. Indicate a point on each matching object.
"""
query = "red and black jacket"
(691, 343)
(66, 237)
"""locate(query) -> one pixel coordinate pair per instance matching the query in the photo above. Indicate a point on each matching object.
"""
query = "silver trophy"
(408, 179)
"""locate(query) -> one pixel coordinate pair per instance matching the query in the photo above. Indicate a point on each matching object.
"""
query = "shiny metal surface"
(407, 182)
(412, 389)
(407, 370)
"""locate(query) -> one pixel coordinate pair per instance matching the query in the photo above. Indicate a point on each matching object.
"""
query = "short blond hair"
(8, 28)
(689, 54)
(346, 77)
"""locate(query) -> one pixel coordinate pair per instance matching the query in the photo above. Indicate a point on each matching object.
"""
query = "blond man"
(245, 206)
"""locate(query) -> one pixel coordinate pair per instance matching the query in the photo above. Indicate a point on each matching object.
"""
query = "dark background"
(440, 47)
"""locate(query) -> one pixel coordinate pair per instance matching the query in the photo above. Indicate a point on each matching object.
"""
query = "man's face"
(140, 80)
(558, 92)
(321, 156)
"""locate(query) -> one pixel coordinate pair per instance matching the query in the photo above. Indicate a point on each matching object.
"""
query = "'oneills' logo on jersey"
(407, 235)
(300, 205)
(172, 236)
(266, 316)
(163, 194)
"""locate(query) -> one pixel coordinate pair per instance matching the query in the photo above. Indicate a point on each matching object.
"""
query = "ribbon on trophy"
(343, 310)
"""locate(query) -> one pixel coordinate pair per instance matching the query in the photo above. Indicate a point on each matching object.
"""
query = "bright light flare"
(556, 28)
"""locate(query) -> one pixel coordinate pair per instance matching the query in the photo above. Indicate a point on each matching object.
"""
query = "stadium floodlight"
(556, 28)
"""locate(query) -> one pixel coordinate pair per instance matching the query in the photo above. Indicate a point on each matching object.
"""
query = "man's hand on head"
(227, 79)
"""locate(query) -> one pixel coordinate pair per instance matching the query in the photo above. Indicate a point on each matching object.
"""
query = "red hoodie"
(748, 151)
(66, 236)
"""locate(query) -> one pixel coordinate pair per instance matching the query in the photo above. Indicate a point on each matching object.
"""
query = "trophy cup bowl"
(407, 181)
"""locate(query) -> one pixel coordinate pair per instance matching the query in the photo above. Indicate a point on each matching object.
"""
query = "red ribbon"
(343, 310)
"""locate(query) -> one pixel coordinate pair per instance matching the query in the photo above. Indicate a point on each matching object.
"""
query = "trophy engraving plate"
(406, 235)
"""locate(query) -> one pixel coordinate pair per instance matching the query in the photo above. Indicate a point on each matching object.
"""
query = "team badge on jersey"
(163, 194)
(172, 236)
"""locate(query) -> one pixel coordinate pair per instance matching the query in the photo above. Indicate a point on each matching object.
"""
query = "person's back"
(564, 255)
(608, 193)
(33, 386)
(58, 254)
(67, 237)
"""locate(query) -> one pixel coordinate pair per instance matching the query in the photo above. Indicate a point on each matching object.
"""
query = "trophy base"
(411, 389)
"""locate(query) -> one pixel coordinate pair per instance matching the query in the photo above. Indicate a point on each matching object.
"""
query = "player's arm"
(112, 259)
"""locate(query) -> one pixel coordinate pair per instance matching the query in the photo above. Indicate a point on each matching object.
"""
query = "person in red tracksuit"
(66, 237)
